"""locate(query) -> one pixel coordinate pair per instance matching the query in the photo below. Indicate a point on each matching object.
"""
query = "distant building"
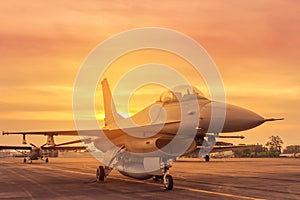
(290, 155)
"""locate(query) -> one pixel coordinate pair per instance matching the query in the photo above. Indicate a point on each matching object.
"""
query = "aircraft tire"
(24, 160)
(100, 175)
(168, 182)
(207, 158)
(47, 160)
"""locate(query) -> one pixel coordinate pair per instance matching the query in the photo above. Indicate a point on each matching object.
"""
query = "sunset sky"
(255, 45)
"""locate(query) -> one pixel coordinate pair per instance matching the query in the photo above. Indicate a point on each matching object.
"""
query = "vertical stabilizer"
(111, 114)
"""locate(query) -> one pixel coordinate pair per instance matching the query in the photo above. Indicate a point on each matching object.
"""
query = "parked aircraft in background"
(43, 152)
(137, 150)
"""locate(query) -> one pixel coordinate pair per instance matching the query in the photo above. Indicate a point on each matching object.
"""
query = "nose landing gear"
(168, 181)
(167, 178)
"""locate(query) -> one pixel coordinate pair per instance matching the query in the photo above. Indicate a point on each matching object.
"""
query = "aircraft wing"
(67, 148)
(94, 137)
(68, 132)
(151, 127)
(227, 148)
(116, 132)
(15, 147)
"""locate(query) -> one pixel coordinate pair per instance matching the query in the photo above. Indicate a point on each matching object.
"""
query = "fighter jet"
(43, 152)
(145, 145)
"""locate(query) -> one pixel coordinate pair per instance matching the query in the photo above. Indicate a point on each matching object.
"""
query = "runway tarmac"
(74, 178)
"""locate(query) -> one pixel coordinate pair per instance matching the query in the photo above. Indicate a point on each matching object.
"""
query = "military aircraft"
(36, 153)
(219, 146)
(143, 147)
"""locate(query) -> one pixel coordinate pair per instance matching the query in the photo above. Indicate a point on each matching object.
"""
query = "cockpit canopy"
(181, 93)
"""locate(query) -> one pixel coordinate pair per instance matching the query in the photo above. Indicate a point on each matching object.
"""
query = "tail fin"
(111, 114)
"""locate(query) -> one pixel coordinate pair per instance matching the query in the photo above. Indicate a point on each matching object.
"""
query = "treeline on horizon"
(272, 149)
(260, 151)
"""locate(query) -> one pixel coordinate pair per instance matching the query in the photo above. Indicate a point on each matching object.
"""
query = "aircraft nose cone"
(240, 119)
(236, 118)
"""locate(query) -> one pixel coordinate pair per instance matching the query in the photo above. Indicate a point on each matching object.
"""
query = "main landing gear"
(207, 158)
(102, 172)
(25, 160)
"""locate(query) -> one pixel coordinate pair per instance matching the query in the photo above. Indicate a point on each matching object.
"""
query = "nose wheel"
(168, 182)
(166, 179)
